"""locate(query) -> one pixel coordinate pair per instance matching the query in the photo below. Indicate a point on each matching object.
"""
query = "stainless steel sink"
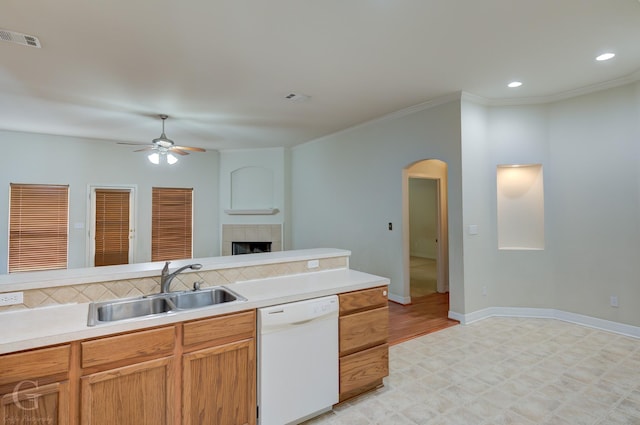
(132, 308)
(206, 297)
(110, 311)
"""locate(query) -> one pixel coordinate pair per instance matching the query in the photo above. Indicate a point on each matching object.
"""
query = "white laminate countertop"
(53, 278)
(32, 328)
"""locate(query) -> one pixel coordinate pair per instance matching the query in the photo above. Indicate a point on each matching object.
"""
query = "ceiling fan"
(163, 147)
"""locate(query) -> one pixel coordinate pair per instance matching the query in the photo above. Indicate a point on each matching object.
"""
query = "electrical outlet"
(11, 298)
(313, 264)
(614, 301)
(484, 291)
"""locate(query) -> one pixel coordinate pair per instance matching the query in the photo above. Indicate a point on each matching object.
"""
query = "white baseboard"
(398, 299)
(547, 313)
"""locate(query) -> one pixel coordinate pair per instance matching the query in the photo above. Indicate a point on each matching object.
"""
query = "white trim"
(265, 211)
(393, 115)
(547, 313)
(627, 79)
(399, 299)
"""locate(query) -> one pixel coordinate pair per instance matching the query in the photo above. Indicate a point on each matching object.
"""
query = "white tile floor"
(505, 371)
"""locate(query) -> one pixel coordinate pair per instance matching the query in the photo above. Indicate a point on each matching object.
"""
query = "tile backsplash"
(108, 290)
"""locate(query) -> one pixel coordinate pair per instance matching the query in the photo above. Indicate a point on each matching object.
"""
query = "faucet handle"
(196, 285)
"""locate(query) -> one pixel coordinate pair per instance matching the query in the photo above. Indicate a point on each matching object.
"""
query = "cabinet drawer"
(35, 364)
(363, 368)
(133, 347)
(352, 302)
(363, 330)
(220, 330)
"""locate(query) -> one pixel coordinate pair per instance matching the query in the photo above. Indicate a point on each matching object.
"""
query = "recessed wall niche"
(252, 188)
(520, 207)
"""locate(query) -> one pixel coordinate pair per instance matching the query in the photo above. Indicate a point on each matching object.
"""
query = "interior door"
(112, 229)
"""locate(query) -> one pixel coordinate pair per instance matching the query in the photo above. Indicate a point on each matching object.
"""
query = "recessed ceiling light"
(514, 84)
(605, 56)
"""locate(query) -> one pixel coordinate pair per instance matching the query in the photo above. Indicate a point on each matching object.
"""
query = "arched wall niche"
(252, 188)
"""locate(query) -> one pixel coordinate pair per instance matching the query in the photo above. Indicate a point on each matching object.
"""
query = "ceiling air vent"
(19, 38)
(295, 97)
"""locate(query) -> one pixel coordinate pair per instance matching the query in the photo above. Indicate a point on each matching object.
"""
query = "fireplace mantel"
(265, 211)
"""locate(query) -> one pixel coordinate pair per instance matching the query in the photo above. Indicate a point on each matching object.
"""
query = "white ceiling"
(222, 68)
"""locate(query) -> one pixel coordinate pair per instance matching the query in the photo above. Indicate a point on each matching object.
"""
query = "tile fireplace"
(251, 238)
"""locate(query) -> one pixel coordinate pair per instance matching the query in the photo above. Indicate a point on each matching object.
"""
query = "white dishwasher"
(297, 360)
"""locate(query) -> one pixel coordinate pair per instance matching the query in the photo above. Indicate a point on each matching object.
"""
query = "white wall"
(494, 136)
(589, 150)
(36, 158)
(347, 187)
(594, 202)
(271, 160)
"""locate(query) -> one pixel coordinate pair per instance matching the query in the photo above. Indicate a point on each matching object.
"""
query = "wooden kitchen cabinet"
(363, 335)
(219, 370)
(129, 379)
(34, 387)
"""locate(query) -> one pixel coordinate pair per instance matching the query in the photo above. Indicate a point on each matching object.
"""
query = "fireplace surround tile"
(251, 233)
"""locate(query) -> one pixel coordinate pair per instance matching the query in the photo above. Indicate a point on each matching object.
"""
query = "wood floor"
(424, 315)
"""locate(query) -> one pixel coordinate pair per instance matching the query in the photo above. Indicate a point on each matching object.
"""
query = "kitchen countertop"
(53, 278)
(32, 328)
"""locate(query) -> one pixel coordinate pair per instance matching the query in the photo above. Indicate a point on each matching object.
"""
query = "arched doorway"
(418, 314)
(434, 242)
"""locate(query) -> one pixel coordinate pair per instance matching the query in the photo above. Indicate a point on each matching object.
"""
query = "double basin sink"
(158, 304)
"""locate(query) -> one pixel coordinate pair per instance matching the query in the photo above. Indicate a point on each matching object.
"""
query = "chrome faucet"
(166, 277)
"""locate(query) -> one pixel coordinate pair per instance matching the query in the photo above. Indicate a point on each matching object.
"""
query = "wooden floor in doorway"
(424, 315)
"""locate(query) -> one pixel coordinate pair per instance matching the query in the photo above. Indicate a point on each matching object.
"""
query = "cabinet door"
(138, 394)
(33, 404)
(219, 385)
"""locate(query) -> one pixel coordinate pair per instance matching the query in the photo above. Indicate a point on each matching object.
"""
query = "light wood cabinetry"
(142, 393)
(191, 373)
(364, 330)
(219, 371)
(129, 379)
(130, 348)
(34, 387)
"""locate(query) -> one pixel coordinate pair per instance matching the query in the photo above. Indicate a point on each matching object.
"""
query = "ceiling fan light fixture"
(171, 159)
(154, 158)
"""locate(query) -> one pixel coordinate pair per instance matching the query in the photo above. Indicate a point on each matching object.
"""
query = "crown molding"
(537, 100)
(470, 97)
(393, 115)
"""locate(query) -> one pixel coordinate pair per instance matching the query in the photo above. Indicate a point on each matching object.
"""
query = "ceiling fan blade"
(190, 148)
(132, 144)
(148, 148)
(178, 150)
